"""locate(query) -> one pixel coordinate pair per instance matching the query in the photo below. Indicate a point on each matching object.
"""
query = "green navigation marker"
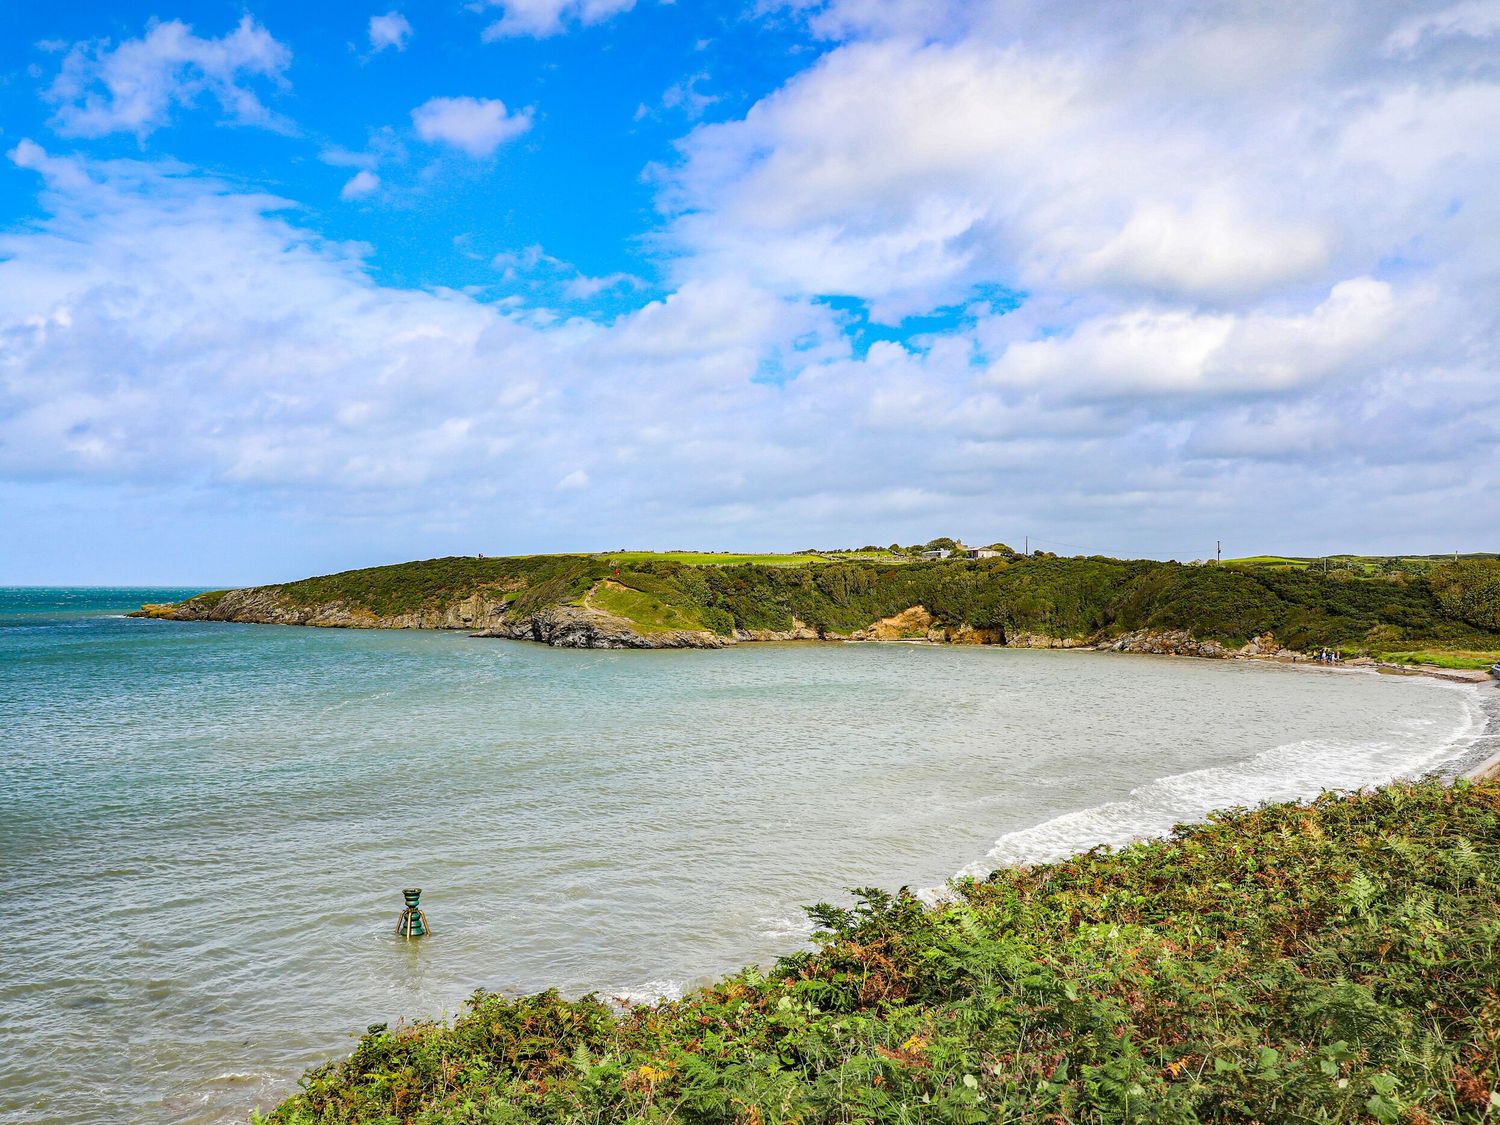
(413, 923)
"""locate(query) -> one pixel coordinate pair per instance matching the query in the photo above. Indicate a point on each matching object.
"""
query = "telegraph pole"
(1027, 551)
(1218, 550)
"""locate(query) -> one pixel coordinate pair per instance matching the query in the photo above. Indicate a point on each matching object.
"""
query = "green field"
(706, 558)
(1365, 564)
(724, 558)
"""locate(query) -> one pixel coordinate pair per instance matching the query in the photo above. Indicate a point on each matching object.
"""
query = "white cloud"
(1145, 351)
(1474, 19)
(389, 30)
(135, 86)
(686, 96)
(542, 18)
(1250, 249)
(361, 184)
(1200, 158)
(582, 287)
(1208, 248)
(547, 276)
(478, 126)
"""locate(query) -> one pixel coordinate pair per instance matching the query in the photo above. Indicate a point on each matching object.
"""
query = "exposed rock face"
(800, 631)
(909, 625)
(485, 614)
(1169, 642)
(1264, 647)
(968, 635)
(574, 627)
(266, 605)
(1042, 640)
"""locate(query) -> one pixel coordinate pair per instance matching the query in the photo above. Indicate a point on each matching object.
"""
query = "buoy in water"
(413, 923)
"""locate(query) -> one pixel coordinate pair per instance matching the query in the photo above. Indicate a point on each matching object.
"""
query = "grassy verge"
(647, 610)
(1448, 658)
(1334, 962)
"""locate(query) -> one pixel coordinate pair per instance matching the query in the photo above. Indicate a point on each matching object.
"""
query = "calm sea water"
(206, 827)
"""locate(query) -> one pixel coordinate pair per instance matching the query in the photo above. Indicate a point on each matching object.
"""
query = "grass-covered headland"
(1407, 607)
(1331, 962)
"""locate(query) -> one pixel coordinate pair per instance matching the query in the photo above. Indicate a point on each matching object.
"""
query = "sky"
(289, 288)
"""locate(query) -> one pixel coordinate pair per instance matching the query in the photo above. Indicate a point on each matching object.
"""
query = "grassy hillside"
(1443, 607)
(1334, 962)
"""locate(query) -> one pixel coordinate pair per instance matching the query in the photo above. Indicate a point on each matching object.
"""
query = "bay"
(207, 826)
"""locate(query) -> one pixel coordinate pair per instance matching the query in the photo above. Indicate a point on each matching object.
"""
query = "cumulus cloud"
(478, 126)
(135, 86)
(361, 184)
(389, 30)
(1148, 350)
(542, 18)
(1178, 269)
(160, 328)
(1218, 157)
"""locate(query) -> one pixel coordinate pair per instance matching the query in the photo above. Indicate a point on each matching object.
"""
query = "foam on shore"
(1294, 771)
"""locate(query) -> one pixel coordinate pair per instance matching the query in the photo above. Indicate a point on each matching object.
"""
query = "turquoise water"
(207, 826)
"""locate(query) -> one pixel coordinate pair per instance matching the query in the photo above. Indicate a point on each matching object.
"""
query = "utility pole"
(1218, 550)
(1027, 550)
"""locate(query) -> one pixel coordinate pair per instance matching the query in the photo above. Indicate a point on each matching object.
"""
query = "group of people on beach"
(1330, 656)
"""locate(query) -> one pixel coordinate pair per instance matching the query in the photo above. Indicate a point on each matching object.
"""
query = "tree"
(1470, 591)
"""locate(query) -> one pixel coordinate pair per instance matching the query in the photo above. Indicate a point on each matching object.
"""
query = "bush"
(1470, 591)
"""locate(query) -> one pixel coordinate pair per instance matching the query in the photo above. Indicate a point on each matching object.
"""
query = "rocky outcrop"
(1043, 640)
(1264, 647)
(267, 605)
(576, 627)
(1164, 642)
(914, 624)
(968, 635)
(486, 614)
(489, 613)
(800, 631)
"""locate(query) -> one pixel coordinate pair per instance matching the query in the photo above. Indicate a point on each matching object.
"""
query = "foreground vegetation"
(1408, 610)
(1334, 962)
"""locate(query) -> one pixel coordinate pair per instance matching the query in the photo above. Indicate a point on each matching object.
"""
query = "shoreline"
(1173, 642)
(1485, 723)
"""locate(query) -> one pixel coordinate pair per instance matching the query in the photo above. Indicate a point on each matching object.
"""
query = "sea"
(206, 827)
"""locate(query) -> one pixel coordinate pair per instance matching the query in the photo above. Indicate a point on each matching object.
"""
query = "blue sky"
(286, 288)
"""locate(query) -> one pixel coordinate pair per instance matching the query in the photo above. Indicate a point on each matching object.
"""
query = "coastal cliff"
(1137, 606)
(561, 626)
(583, 626)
